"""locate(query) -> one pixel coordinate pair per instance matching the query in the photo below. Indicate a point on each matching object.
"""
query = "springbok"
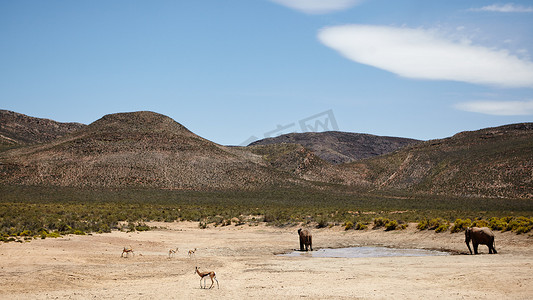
(127, 250)
(172, 252)
(192, 252)
(203, 275)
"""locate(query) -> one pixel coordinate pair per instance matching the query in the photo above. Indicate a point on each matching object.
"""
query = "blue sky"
(235, 69)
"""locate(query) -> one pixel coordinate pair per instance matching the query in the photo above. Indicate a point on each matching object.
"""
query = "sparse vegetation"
(37, 212)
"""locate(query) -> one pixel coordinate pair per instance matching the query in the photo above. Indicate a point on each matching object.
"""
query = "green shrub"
(142, 227)
(79, 232)
(480, 223)
(423, 225)
(53, 234)
(348, 225)
(442, 228)
(322, 222)
(497, 223)
(380, 222)
(433, 224)
(437, 224)
(460, 225)
(520, 225)
(360, 226)
(26, 233)
(391, 225)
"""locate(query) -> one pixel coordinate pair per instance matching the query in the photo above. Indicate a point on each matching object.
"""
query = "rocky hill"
(341, 147)
(18, 129)
(141, 149)
(492, 162)
(150, 150)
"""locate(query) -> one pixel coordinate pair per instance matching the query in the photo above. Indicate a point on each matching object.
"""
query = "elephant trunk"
(467, 238)
(468, 245)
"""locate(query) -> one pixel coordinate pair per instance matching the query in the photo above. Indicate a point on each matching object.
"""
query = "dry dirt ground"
(90, 267)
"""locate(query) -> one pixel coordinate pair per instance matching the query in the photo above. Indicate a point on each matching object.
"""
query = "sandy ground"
(83, 267)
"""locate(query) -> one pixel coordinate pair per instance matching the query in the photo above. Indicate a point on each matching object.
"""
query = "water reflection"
(365, 252)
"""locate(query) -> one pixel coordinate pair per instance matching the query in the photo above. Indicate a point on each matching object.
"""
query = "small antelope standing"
(192, 252)
(172, 252)
(127, 250)
(203, 275)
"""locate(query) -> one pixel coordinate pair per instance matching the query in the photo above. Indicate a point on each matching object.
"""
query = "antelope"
(192, 252)
(172, 252)
(127, 250)
(203, 275)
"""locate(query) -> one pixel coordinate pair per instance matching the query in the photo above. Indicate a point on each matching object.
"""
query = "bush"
(497, 224)
(520, 225)
(480, 223)
(433, 224)
(423, 225)
(348, 225)
(322, 223)
(437, 224)
(380, 222)
(391, 225)
(26, 233)
(442, 228)
(460, 225)
(360, 226)
(142, 227)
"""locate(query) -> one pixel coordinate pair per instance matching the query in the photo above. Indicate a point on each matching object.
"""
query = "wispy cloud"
(499, 108)
(505, 8)
(318, 6)
(424, 54)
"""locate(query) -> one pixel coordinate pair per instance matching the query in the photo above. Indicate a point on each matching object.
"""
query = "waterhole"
(365, 252)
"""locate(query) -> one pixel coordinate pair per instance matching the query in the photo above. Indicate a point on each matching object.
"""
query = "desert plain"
(247, 265)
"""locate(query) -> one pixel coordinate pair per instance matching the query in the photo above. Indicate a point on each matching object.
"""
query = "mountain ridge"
(341, 147)
(18, 129)
(150, 150)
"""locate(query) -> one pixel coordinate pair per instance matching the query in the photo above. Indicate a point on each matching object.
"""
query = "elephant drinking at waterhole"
(306, 240)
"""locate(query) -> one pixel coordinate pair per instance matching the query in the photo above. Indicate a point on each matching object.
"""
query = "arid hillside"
(18, 129)
(140, 149)
(150, 150)
(341, 147)
(492, 162)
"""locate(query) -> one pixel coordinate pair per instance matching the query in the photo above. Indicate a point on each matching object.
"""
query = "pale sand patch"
(81, 267)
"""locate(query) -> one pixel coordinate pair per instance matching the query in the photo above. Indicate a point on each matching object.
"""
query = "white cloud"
(499, 108)
(318, 6)
(423, 54)
(505, 8)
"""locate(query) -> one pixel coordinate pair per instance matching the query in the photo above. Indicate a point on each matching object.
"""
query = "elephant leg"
(311, 243)
(301, 245)
(492, 248)
(475, 247)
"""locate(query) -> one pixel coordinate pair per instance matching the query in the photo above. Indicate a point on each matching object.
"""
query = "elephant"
(478, 236)
(306, 239)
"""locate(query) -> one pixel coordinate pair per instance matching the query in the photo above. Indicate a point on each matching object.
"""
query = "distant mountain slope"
(141, 149)
(150, 150)
(341, 147)
(19, 129)
(492, 162)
